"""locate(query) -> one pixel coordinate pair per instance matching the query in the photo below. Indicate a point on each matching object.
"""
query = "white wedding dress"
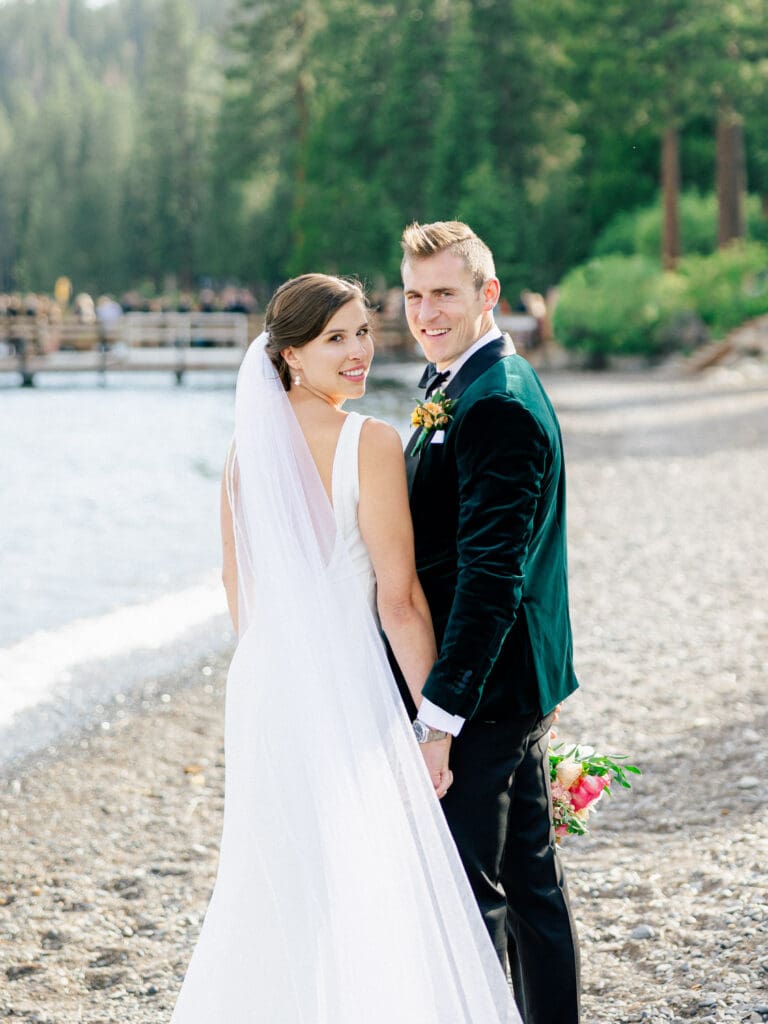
(340, 898)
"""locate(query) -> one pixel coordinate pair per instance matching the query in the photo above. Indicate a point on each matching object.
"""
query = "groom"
(488, 505)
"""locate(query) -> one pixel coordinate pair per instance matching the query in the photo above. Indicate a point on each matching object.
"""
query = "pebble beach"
(109, 845)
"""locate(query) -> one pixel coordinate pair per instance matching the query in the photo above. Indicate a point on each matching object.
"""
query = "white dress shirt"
(457, 363)
(430, 714)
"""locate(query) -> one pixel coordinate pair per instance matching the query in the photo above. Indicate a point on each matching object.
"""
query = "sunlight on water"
(109, 533)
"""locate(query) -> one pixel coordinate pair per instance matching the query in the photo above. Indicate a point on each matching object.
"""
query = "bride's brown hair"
(300, 309)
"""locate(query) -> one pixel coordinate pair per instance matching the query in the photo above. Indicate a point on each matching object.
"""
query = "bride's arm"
(385, 523)
(229, 560)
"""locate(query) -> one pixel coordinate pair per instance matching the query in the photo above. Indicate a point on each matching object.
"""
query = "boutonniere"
(434, 414)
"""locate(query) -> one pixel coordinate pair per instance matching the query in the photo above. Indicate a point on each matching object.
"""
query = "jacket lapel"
(476, 365)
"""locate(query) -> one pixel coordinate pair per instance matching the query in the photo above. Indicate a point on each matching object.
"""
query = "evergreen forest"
(176, 143)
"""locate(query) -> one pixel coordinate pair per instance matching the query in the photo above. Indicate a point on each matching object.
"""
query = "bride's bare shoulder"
(380, 440)
(381, 462)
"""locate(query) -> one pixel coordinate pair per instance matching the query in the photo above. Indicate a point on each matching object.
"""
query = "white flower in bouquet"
(568, 771)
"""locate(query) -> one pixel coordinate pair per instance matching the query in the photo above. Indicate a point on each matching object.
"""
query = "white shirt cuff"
(435, 718)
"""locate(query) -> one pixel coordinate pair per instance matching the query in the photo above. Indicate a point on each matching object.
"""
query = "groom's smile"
(446, 312)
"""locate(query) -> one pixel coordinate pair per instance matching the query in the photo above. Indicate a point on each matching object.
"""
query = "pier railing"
(173, 342)
(185, 329)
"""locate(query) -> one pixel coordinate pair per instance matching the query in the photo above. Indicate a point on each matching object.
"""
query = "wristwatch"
(426, 735)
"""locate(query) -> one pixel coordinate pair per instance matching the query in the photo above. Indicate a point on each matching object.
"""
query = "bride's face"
(336, 363)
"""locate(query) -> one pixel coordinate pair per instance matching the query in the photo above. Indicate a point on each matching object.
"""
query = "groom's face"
(446, 312)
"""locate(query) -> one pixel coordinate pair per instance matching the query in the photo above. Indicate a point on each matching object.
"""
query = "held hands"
(435, 756)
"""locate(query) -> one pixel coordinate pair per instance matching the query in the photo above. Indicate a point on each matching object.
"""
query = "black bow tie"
(431, 379)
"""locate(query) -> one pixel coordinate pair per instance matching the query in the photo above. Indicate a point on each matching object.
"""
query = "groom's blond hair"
(422, 240)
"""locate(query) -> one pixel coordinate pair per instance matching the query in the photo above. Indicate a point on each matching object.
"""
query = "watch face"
(421, 730)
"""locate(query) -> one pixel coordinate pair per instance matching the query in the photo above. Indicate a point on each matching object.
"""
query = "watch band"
(426, 735)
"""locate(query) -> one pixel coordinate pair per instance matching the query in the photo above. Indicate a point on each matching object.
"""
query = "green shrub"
(638, 232)
(728, 287)
(621, 305)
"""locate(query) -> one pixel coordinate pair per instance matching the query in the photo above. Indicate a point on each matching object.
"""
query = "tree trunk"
(670, 190)
(301, 101)
(731, 175)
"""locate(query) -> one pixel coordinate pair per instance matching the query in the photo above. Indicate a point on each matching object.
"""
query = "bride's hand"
(436, 756)
(443, 784)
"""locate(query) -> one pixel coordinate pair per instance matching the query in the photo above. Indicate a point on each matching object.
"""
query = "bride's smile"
(358, 374)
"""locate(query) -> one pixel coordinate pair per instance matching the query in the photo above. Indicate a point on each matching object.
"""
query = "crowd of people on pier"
(43, 323)
(35, 319)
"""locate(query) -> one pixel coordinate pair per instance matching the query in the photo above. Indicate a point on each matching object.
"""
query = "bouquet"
(579, 777)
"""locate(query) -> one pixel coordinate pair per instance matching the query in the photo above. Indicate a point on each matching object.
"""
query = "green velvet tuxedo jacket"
(488, 504)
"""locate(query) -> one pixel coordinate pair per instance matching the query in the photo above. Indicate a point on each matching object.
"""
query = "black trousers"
(498, 810)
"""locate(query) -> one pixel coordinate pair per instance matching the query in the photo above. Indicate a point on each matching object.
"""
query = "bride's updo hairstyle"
(298, 312)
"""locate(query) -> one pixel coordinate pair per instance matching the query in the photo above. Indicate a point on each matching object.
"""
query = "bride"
(340, 897)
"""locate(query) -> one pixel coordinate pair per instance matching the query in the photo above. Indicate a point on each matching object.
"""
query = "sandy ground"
(109, 844)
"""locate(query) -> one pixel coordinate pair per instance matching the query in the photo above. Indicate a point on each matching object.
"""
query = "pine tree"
(463, 128)
(171, 165)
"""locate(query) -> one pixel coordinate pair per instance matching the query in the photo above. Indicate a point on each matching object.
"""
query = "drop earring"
(297, 380)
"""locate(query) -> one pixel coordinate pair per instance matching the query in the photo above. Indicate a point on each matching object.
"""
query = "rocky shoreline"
(110, 842)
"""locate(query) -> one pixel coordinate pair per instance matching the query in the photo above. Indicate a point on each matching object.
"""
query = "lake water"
(109, 537)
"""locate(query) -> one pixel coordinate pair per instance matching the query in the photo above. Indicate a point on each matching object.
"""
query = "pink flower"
(587, 790)
(561, 830)
(559, 791)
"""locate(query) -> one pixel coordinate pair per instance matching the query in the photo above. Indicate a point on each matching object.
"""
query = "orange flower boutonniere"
(434, 414)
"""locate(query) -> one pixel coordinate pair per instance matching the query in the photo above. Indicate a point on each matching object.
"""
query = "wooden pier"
(178, 361)
(176, 343)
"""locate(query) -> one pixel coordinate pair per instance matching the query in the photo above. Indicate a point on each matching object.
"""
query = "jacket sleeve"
(501, 457)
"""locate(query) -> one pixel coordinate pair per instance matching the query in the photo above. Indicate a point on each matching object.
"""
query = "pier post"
(103, 351)
(180, 360)
(27, 376)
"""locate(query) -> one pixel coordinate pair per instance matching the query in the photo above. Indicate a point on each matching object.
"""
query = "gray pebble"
(707, 1001)
(748, 782)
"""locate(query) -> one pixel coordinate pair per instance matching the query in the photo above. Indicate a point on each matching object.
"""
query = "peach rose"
(568, 771)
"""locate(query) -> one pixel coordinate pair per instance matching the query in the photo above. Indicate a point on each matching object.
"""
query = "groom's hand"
(436, 756)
